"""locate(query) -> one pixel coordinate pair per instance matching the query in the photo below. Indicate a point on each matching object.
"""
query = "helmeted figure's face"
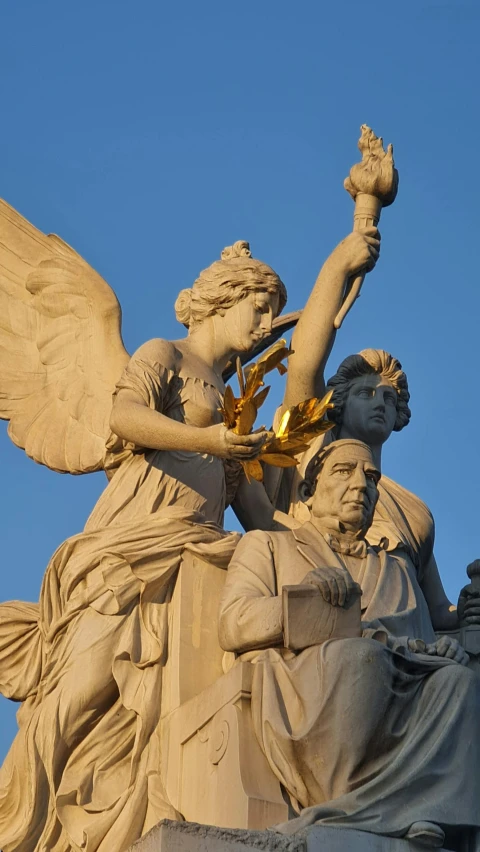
(346, 490)
(250, 320)
(370, 410)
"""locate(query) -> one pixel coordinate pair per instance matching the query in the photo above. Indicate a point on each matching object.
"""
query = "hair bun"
(183, 307)
(239, 249)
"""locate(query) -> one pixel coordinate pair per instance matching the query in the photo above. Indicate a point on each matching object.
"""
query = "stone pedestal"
(170, 836)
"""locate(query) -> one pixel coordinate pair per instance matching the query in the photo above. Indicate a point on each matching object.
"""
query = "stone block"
(169, 836)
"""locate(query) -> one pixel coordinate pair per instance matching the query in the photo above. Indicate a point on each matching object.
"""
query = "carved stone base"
(170, 836)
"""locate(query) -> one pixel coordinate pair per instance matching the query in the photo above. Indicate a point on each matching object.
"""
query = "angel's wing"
(61, 349)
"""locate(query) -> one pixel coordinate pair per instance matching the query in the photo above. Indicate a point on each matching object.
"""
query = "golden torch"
(373, 184)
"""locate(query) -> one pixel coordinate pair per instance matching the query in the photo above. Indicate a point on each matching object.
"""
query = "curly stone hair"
(225, 283)
(368, 362)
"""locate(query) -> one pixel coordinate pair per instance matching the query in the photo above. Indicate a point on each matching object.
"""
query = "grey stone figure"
(379, 732)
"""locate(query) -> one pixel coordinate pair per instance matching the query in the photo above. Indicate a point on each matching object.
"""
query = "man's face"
(370, 410)
(346, 489)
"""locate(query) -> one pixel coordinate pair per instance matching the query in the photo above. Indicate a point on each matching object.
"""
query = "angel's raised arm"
(315, 332)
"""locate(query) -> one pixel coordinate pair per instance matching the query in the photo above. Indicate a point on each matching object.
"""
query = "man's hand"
(446, 646)
(336, 586)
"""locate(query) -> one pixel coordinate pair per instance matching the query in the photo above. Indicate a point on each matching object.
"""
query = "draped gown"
(84, 772)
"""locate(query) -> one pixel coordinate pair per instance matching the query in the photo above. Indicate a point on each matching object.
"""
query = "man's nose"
(358, 481)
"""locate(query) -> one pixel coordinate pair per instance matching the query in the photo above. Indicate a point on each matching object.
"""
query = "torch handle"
(367, 213)
(473, 571)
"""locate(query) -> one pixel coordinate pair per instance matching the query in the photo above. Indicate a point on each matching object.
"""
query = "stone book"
(308, 619)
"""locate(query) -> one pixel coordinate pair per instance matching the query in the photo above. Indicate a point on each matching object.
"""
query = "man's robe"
(362, 733)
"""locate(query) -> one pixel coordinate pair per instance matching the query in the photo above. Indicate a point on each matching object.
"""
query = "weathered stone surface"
(170, 836)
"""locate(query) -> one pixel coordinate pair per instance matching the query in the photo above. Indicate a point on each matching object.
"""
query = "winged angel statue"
(84, 771)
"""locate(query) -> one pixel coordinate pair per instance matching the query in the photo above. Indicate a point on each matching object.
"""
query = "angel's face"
(250, 320)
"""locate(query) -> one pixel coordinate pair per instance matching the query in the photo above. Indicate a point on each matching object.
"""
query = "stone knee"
(356, 653)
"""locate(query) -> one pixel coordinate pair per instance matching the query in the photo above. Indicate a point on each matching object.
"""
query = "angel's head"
(245, 292)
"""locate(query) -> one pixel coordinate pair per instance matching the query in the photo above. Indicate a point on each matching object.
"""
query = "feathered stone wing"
(61, 349)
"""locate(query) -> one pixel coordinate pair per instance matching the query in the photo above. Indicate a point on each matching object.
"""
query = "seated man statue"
(370, 726)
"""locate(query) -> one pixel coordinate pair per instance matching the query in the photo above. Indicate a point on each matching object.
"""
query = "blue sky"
(150, 135)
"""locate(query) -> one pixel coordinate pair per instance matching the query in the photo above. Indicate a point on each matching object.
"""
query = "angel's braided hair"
(226, 282)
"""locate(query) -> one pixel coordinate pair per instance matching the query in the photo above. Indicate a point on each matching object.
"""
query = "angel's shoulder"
(159, 351)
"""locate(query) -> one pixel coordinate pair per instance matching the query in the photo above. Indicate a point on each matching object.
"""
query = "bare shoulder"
(159, 351)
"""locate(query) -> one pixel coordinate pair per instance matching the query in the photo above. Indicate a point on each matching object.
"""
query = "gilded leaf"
(273, 356)
(294, 448)
(247, 418)
(279, 460)
(254, 380)
(240, 376)
(253, 469)
(318, 428)
(284, 423)
(260, 398)
(287, 442)
(322, 406)
(229, 408)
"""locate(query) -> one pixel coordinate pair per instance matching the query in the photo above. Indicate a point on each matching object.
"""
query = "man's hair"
(317, 461)
(367, 363)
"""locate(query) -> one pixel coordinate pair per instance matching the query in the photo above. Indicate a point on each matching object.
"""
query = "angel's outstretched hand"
(226, 444)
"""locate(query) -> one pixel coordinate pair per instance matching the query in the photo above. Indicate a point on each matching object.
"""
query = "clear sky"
(151, 134)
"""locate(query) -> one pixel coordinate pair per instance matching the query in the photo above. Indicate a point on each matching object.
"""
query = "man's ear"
(305, 492)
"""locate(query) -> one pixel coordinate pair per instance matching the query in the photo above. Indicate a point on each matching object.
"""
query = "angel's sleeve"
(151, 381)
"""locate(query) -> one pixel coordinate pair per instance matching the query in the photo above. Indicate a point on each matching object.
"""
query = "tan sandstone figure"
(377, 732)
(84, 772)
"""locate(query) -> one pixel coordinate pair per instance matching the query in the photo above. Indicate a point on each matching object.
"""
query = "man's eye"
(391, 400)
(365, 394)
(343, 472)
(371, 477)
